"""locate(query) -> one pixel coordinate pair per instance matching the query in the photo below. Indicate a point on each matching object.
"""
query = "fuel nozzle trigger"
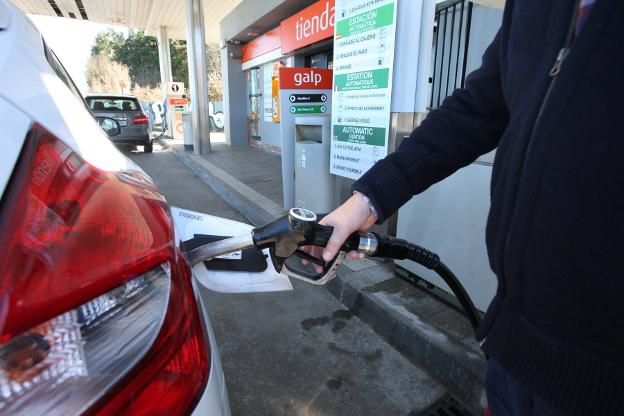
(284, 236)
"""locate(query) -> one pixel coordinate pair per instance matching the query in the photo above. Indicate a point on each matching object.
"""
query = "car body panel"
(190, 223)
(14, 135)
(38, 93)
(31, 92)
(214, 400)
(5, 16)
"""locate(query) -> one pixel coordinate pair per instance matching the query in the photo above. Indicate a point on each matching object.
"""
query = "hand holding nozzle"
(286, 237)
(354, 215)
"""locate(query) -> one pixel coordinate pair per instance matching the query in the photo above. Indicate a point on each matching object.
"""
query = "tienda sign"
(305, 79)
(311, 25)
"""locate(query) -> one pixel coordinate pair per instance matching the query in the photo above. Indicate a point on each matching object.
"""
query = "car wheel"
(148, 148)
(219, 120)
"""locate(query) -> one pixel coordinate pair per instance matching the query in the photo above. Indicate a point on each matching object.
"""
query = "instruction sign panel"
(303, 92)
(363, 59)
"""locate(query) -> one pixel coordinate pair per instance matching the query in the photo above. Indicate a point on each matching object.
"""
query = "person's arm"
(469, 123)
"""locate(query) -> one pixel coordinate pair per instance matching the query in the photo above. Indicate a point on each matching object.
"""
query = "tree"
(139, 54)
(213, 64)
(179, 61)
(107, 43)
(104, 74)
(179, 67)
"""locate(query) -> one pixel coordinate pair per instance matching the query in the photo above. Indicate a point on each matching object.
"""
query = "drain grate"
(446, 406)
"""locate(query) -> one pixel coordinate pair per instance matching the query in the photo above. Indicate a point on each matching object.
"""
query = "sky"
(71, 41)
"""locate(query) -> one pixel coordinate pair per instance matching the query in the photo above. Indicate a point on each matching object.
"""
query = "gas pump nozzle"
(286, 236)
(283, 237)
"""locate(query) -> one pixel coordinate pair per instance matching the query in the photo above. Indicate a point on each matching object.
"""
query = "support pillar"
(198, 75)
(234, 95)
(164, 58)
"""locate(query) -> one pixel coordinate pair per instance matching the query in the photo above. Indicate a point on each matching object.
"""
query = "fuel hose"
(378, 245)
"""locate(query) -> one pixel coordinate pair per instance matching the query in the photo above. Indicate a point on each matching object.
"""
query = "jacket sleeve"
(469, 123)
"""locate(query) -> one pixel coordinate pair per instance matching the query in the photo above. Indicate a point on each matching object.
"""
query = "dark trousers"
(507, 397)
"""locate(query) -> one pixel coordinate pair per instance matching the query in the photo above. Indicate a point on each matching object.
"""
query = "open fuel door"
(240, 272)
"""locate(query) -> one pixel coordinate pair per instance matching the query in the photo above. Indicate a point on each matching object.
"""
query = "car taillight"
(140, 120)
(97, 312)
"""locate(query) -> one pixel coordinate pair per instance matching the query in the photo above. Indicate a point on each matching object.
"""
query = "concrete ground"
(262, 171)
(423, 328)
(299, 352)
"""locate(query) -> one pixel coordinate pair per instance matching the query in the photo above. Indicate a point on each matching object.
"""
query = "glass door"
(255, 104)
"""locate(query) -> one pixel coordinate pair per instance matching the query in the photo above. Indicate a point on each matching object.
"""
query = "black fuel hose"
(378, 245)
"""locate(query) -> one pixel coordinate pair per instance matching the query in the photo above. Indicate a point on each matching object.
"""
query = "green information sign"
(374, 136)
(363, 80)
(307, 109)
(364, 42)
(363, 22)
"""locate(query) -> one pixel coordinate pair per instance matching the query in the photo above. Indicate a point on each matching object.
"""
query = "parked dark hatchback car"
(126, 110)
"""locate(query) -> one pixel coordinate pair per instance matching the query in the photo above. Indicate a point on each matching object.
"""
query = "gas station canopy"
(138, 14)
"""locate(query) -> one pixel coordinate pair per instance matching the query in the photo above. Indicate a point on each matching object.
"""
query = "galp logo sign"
(305, 79)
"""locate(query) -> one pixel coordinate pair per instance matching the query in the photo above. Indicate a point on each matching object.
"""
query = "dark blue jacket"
(555, 232)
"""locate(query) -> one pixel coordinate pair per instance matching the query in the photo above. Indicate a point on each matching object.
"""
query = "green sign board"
(307, 109)
(363, 80)
(374, 136)
(364, 41)
(363, 22)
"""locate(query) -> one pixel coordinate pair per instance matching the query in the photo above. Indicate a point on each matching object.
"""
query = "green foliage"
(179, 62)
(140, 54)
(213, 67)
(106, 43)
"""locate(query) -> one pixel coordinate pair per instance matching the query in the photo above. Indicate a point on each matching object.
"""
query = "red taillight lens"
(70, 232)
(173, 374)
(140, 120)
(70, 235)
(86, 350)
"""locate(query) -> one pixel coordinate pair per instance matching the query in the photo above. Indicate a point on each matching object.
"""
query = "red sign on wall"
(305, 79)
(311, 25)
(268, 42)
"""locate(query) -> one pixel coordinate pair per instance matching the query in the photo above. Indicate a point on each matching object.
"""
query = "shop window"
(320, 60)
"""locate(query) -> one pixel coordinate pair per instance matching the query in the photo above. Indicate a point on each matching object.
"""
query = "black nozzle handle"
(375, 245)
(321, 234)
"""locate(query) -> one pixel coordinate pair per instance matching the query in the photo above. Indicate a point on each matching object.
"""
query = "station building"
(259, 37)
(432, 47)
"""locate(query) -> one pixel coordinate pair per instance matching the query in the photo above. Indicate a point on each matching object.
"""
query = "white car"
(99, 311)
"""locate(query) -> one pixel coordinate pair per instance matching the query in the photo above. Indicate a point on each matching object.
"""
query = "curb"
(460, 369)
(258, 209)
